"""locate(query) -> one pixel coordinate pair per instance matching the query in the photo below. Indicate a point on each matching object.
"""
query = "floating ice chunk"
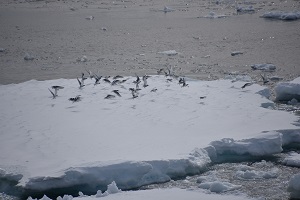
(28, 57)
(169, 52)
(234, 53)
(218, 186)
(90, 17)
(276, 78)
(2, 49)
(264, 67)
(294, 186)
(282, 15)
(287, 91)
(254, 174)
(292, 160)
(245, 9)
(213, 15)
(82, 59)
(167, 9)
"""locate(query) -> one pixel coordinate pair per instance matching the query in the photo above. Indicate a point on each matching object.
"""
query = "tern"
(246, 84)
(116, 92)
(133, 92)
(264, 79)
(81, 84)
(53, 95)
(154, 90)
(118, 76)
(115, 82)
(106, 80)
(109, 96)
(97, 79)
(145, 77)
(75, 99)
(56, 88)
(137, 81)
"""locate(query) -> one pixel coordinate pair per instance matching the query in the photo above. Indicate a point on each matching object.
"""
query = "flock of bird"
(117, 80)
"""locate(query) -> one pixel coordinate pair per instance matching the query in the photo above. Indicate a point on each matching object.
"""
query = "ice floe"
(293, 15)
(153, 138)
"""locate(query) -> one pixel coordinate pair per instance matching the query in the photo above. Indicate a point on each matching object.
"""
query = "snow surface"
(51, 143)
(294, 186)
(159, 194)
(162, 194)
(293, 15)
(292, 160)
(287, 91)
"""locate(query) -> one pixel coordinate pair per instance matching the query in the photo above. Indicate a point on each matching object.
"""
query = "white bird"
(53, 95)
(81, 83)
(56, 88)
(145, 77)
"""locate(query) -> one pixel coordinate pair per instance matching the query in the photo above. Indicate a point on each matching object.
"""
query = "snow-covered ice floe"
(293, 15)
(294, 187)
(286, 91)
(52, 143)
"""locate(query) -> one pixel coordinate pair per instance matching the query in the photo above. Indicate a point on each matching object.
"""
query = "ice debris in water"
(28, 57)
(234, 53)
(247, 173)
(90, 17)
(82, 59)
(286, 91)
(213, 184)
(282, 15)
(2, 49)
(169, 52)
(293, 159)
(264, 67)
(167, 9)
(212, 15)
(294, 186)
(247, 9)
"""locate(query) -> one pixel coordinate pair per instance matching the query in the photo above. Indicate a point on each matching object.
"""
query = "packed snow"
(294, 186)
(287, 91)
(293, 15)
(161, 132)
